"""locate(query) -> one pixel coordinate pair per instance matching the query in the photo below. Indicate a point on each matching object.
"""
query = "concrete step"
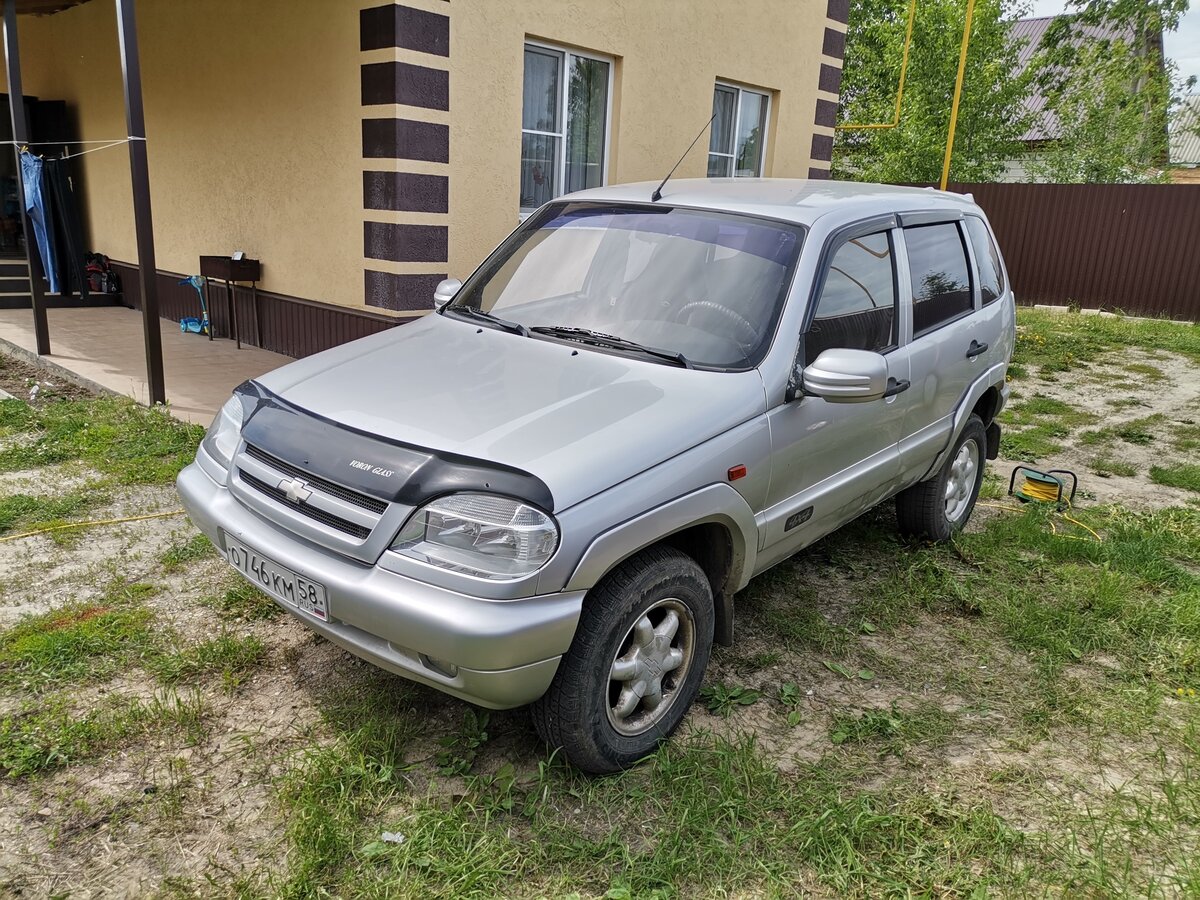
(14, 269)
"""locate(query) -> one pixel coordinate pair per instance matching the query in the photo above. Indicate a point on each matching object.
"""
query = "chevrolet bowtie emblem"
(295, 490)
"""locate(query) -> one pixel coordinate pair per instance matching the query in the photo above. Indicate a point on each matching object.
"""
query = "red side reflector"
(736, 472)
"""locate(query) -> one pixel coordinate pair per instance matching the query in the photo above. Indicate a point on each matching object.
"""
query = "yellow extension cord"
(162, 515)
(1044, 492)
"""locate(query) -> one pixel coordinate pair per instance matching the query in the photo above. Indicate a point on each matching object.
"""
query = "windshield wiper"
(472, 312)
(600, 339)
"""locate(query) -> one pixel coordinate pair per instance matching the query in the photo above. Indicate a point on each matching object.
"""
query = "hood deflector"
(377, 467)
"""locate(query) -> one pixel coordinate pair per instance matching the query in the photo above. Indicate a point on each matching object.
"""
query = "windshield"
(703, 284)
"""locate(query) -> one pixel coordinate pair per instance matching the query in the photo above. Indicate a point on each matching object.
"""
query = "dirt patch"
(1119, 389)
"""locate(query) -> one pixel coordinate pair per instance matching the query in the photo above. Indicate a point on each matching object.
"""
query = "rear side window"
(991, 274)
(941, 282)
(857, 306)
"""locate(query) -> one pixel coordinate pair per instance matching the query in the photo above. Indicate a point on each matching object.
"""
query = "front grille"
(373, 504)
(350, 528)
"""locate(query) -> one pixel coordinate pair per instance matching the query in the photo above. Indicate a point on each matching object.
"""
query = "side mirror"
(846, 376)
(445, 292)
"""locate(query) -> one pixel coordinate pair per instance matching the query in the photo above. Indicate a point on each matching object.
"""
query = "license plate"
(278, 581)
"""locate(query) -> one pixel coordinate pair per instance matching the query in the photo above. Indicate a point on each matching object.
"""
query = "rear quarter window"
(987, 259)
(941, 280)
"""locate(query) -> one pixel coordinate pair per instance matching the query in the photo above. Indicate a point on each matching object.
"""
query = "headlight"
(222, 439)
(479, 534)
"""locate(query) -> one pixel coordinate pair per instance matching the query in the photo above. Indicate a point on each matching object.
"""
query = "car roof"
(792, 199)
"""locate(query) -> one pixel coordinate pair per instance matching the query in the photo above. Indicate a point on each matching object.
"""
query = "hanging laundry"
(68, 230)
(35, 203)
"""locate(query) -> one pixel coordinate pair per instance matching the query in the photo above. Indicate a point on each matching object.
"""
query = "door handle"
(895, 387)
(975, 349)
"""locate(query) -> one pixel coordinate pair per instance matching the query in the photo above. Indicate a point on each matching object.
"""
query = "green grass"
(1036, 428)
(1057, 343)
(80, 641)
(1106, 467)
(1185, 436)
(229, 656)
(1032, 444)
(891, 730)
(130, 443)
(49, 734)
(1152, 373)
(1140, 432)
(1181, 475)
(243, 602)
(34, 512)
(1040, 407)
(180, 555)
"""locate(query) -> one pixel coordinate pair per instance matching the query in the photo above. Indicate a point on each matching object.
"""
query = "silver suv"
(551, 490)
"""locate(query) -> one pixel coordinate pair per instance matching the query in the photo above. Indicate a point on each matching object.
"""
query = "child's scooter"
(192, 324)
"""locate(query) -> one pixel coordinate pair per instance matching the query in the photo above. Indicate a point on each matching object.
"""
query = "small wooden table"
(229, 270)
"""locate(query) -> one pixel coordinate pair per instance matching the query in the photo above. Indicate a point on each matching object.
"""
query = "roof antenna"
(657, 195)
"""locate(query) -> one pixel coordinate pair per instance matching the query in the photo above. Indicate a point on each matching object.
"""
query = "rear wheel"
(937, 509)
(635, 665)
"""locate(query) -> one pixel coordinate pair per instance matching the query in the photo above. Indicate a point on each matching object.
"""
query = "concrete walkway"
(103, 347)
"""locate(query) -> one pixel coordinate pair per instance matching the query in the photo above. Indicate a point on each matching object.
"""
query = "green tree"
(992, 115)
(1108, 94)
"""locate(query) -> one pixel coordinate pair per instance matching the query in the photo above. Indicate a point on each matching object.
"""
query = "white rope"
(71, 143)
(115, 142)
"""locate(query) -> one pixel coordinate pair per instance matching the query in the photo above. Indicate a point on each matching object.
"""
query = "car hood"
(579, 419)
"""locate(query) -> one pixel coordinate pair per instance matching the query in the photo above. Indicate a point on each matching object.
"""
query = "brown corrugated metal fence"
(1133, 248)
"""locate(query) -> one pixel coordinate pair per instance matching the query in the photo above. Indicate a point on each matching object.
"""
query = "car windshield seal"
(611, 341)
(491, 319)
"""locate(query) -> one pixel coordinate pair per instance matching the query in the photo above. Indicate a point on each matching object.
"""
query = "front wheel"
(938, 509)
(635, 665)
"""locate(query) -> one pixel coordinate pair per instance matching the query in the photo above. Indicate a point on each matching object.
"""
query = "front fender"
(716, 503)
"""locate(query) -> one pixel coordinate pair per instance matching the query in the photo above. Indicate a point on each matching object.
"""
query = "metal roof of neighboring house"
(1029, 32)
(1185, 133)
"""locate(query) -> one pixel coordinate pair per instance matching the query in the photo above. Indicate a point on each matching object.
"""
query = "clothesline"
(113, 142)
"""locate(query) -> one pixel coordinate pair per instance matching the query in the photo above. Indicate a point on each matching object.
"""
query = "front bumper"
(503, 653)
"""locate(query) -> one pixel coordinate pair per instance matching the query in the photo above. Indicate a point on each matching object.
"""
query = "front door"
(831, 461)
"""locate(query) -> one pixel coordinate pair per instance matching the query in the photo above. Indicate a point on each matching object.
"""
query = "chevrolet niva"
(549, 491)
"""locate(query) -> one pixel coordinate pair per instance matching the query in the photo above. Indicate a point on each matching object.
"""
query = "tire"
(601, 723)
(938, 509)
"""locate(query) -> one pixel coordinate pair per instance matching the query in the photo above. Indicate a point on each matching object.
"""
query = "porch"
(104, 347)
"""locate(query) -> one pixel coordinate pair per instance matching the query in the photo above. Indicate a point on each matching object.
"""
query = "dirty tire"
(921, 510)
(580, 712)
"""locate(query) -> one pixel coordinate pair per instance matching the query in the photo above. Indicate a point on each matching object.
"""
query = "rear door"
(950, 344)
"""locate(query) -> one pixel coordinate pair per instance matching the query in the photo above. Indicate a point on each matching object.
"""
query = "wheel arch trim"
(715, 504)
(992, 378)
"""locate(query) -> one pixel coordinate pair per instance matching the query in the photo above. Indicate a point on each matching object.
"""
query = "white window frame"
(566, 53)
(737, 122)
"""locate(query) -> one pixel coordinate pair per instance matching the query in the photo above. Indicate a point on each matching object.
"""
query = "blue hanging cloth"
(35, 203)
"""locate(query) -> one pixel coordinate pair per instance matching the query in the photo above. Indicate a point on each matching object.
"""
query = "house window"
(564, 123)
(739, 132)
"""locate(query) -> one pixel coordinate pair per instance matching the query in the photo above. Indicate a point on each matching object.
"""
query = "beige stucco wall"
(253, 132)
(669, 54)
(254, 116)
